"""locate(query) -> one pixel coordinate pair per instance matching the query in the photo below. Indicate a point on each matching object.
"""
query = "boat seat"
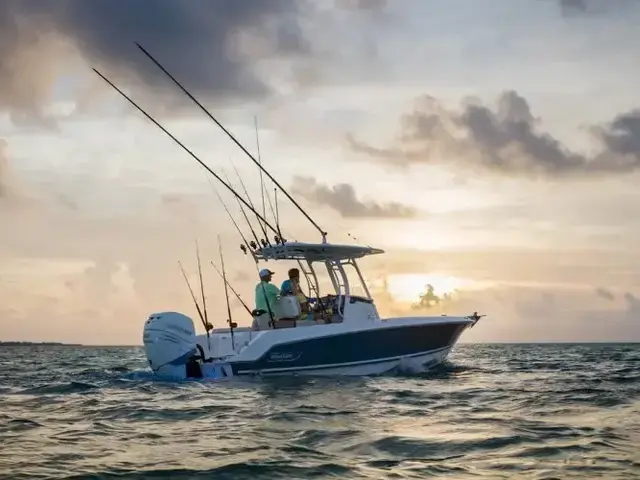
(261, 322)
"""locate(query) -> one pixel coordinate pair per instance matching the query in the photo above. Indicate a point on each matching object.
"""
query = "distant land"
(30, 344)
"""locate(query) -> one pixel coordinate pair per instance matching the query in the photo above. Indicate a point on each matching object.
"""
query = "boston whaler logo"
(284, 356)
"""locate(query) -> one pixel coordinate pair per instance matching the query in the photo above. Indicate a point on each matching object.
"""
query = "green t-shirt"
(272, 292)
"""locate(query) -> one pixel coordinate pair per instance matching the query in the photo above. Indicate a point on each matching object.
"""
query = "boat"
(343, 334)
(339, 332)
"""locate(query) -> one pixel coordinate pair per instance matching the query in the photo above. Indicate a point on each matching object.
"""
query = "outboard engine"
(170, 344)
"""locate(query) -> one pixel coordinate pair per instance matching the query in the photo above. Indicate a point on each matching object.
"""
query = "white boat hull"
(372, 348)
(411, 364)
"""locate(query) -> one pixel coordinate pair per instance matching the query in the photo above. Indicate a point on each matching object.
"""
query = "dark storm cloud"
(195, 39)
(343, 199)
(505, 140)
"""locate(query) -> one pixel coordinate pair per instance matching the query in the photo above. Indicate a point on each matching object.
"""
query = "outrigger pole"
(169, 134)
(322, 232)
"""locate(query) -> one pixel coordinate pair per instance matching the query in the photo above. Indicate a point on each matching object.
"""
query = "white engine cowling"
(169, 341)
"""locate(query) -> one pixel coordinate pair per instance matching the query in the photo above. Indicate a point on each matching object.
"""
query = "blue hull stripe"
(355, 348)
(339, 365)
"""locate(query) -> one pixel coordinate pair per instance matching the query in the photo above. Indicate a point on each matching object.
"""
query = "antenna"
(262, 187)
(275, 196)
(322, 232)
(255, 123)
(196, 304)
(157, 124)
(226, 295)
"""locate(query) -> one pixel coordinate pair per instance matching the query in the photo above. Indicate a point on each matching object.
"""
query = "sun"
(409, 286)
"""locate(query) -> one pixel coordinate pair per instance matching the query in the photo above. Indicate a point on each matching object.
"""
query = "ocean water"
(493, 411)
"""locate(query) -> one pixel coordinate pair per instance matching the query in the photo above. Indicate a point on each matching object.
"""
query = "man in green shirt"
(267, 294)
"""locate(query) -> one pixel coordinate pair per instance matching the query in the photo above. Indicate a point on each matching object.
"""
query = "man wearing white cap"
(267, 294)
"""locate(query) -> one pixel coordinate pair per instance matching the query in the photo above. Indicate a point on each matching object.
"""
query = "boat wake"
(406, 370)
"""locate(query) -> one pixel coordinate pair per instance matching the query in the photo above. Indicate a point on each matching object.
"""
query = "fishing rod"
(266, 236)
(248, 246)
(206, 326)
(262, 187)
(255, 259)
(246, 307)
(226, 296)
(169, 134)
(272, 322)
(157, 63)
(279, 238)
(275, 195)
(251, 202)
(204, 301)
(255, 235)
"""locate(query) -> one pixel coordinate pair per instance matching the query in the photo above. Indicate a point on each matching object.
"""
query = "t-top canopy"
(314, 251)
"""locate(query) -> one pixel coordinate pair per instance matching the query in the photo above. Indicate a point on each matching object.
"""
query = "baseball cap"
(264, 272)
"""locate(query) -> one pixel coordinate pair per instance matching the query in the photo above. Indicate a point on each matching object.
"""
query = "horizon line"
(538, 342)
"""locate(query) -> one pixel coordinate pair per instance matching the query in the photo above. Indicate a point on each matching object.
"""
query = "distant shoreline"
(35, 344)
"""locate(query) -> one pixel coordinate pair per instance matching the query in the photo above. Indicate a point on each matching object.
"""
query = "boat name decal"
(284, 356)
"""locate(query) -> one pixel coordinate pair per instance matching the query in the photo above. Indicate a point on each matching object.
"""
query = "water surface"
(494, 411)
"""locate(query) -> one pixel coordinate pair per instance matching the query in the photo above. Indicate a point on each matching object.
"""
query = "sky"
(490, 147)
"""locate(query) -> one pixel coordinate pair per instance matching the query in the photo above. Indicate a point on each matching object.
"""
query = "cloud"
(4, 169)
(517, 313)
(361, 4)
(95, 279)
(343, 199)
(212, 47)
(505, 140)
(95, 274)
(633, 306)
(224, 53)
(572, 8)
(13, 195)
(604, 293)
